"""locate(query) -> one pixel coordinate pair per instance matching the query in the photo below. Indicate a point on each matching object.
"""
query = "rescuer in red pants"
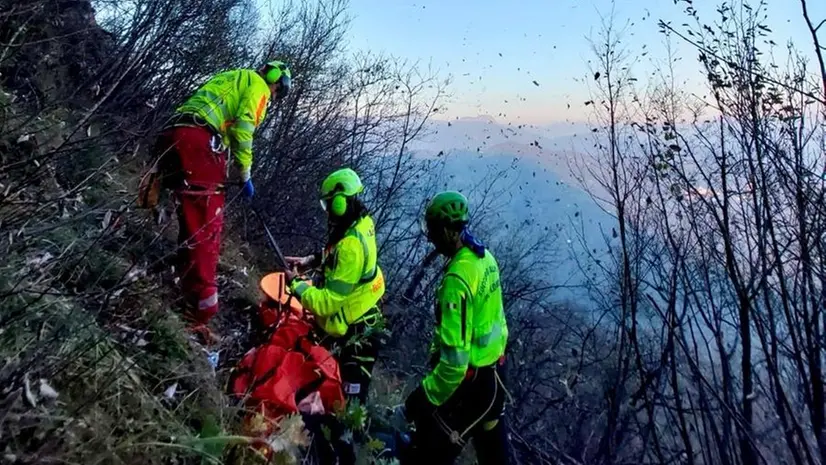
(219, 119)
(201, 163)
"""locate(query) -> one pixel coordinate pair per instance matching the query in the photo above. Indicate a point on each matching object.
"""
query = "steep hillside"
(682, 325)
(96, 365)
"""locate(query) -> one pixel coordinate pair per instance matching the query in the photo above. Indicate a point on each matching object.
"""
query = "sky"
(546, 41)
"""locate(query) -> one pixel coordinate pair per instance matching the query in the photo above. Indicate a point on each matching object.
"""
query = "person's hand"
(248, 190)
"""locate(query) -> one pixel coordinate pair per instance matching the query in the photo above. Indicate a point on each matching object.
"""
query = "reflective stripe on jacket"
(471, 330)
(353, 281)
(233, 103)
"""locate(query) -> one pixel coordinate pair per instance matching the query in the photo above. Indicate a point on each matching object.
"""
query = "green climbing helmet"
(447, 209)
(337, 187)
(277, 72)
(344, 181)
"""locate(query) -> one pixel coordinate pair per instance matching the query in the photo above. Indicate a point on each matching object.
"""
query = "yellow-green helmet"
(277, 72)
(337, 186)
(449, 208)
(344, 181)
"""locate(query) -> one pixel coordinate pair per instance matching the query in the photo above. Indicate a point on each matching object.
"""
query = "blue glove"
(248, 190)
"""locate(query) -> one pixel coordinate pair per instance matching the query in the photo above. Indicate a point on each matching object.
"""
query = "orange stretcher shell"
(279, 302)
(274, 286)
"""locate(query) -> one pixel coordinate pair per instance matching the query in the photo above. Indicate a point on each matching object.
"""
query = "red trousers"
(196, 173)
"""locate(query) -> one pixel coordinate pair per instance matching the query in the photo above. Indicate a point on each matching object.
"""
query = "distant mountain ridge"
(531, 189)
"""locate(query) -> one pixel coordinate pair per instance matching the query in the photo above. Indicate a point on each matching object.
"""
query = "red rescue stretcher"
(288, 374)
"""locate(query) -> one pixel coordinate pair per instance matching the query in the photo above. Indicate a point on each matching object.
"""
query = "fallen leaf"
(135, 274)
(39, 260)
(169, 393)
(46, 391)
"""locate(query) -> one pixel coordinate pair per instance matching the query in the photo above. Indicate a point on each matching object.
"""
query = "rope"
(505, 388)
(458, 438)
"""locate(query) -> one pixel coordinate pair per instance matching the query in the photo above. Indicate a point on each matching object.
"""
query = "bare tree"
(723, 197)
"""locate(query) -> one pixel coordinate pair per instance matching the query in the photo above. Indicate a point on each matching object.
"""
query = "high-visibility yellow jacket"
(471, 330)
(353, 281)
(233, 103)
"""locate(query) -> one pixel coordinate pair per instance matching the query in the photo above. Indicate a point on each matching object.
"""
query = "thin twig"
(708, 51)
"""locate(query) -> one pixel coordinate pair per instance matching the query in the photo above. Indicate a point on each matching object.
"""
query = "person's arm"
(309, 261)
(340, 281)
(453, 338)
(252, 110)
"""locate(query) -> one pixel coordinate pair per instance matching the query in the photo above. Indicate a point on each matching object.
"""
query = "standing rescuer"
(345, 302)
(463, 395)
(218, 119)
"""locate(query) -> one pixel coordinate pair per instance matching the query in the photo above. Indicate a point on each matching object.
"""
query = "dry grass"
(96, 366)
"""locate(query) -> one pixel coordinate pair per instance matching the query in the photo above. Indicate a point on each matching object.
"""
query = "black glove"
(417, 405)
(316, 260)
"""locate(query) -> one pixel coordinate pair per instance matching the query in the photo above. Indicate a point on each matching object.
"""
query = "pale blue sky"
(542, 40)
